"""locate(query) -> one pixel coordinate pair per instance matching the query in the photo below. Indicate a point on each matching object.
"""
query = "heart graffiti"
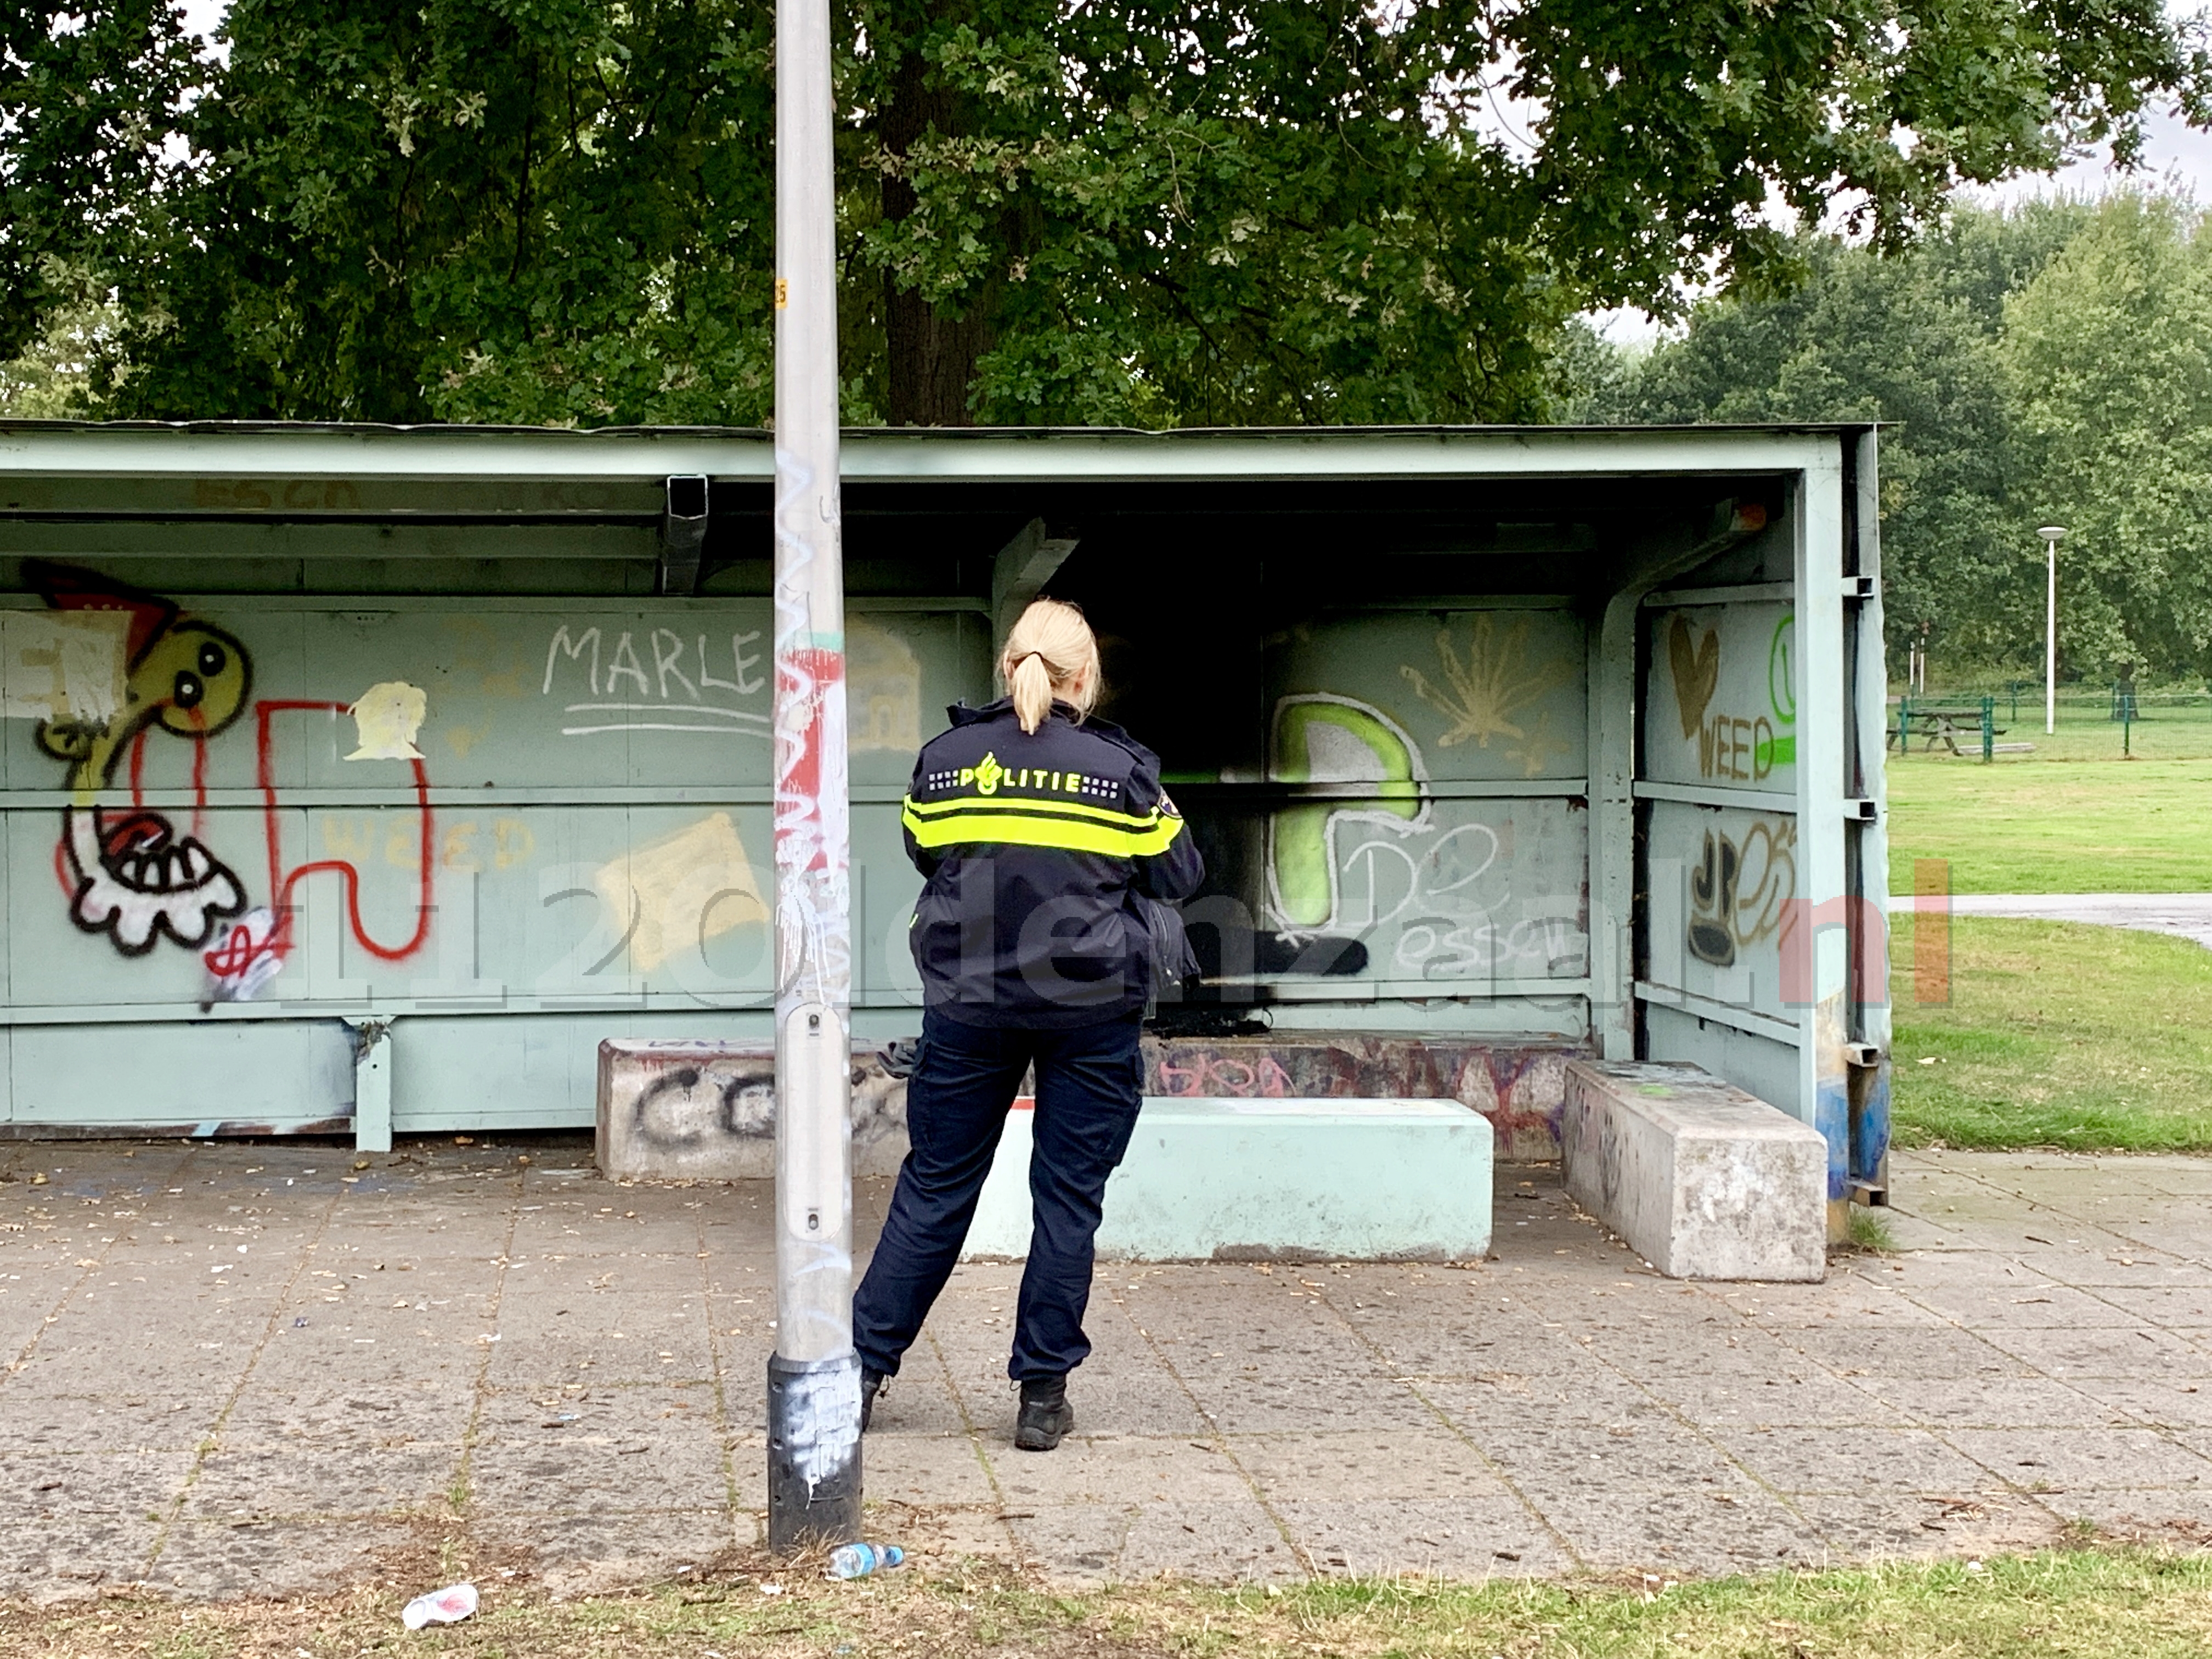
(1697, 667)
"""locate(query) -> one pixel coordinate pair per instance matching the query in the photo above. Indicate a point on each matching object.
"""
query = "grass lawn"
(2071, 816)
(2056, 1035)
(2046, 826)
(2086, 1603)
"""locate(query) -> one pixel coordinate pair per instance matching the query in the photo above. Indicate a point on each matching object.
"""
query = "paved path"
(236, 1370)
(2189, 914)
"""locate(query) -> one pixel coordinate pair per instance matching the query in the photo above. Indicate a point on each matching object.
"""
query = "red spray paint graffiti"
(137, 664)
(239, 953)
(801, 806)
(812, 834)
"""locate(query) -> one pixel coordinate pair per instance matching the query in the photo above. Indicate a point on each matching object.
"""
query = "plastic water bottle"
(446, 1607)
(859, 1561)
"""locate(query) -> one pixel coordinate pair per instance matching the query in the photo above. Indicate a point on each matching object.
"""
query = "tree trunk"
(930, 356)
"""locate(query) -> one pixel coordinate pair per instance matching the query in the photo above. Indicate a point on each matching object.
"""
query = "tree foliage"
(90, 99)
(2050, 366)
(1150, 211)
(2107, 355)
(550, 212)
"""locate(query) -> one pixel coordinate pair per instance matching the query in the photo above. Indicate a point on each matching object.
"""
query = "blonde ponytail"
(1050, 648)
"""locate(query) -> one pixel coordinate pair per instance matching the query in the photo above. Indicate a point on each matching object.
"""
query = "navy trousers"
(1089, 1082)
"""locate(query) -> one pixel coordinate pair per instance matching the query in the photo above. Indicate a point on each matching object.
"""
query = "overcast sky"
(2176, 155)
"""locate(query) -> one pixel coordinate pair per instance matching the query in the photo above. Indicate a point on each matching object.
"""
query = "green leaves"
(473, 209)
(89, 92)
(2108, 359)
(2052, 366)
(1150, 211)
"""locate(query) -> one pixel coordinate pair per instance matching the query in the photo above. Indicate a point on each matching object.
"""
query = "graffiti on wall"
(133, 877)
(1445, 932)
(681, 891)
(883, 695)
(143, 700)
(387, 719)
(1379, 852)
(390, 715)
(1318, 738)
(614, 690)
(610, 678)
(109, 667)
(1489, 692)
(65, 667)
(702, 1097)
(708, 1109)
(1741, 890)
(1732, 745)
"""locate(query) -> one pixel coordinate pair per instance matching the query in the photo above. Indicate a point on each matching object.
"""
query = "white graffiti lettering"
(1457, 915)
(623, 694)
(574, 647)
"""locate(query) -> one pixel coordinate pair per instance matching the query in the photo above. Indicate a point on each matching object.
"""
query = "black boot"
(1047, 1418)
(871, 1384)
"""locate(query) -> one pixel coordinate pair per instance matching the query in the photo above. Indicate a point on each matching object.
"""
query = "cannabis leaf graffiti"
(1485, 694)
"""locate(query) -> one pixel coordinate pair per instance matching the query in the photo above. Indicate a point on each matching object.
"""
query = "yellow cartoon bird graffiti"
(134, 877)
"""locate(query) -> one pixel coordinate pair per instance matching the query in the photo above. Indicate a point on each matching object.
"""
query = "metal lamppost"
(814, 1377)
(2051, 533)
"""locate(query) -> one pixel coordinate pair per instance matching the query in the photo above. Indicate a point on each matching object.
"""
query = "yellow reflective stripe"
(1035, 829)
(1030, 804)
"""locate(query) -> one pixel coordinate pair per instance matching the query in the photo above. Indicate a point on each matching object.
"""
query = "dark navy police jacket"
(1039, 849)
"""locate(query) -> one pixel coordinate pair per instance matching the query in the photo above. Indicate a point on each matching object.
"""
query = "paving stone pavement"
(255, 1369)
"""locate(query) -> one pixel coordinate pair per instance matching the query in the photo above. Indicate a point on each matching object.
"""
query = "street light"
(2051, 533)
(813, 1377)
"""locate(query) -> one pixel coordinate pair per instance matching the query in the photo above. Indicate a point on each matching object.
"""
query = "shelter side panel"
(1723, 909)
(1347, 895)
(1455, 694)
(1418, 826)
(1764, 1066)
(1720, 710)
(240, 1077)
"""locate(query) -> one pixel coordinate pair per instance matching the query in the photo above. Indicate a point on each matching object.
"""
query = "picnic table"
(1938, 723)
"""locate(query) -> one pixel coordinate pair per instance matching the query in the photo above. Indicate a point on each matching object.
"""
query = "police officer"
(1040, 833)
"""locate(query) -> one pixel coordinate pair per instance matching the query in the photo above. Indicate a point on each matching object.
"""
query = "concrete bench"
(1231, 1180)
(1702, 1180)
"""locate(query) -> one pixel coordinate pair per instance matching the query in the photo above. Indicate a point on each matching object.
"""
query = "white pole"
(2050, 646)
(2051, 533)
(814, 1378)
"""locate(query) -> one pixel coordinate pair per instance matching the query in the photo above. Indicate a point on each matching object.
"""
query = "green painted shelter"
(328, 745)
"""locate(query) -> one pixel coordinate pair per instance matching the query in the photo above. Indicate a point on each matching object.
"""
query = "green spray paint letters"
(1320, 738)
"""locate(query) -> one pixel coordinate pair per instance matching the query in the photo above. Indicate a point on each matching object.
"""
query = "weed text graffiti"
(1740, 748)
